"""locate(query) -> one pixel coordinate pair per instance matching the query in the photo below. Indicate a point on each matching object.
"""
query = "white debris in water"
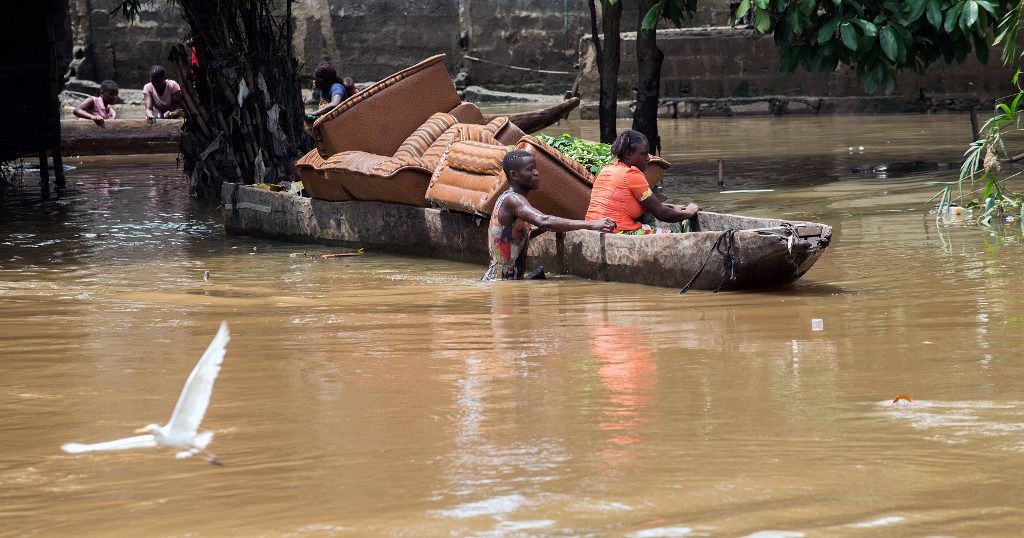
(488, 507)
(880, 522)
(775, 534)
(817, 324)
(516, 528)
(662, 532)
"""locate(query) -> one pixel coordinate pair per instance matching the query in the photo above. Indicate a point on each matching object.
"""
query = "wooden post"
(44, 173)
(721, 173)
(975, 132)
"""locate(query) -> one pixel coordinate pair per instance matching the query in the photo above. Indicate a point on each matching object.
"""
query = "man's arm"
(522, 209)
(87, 115)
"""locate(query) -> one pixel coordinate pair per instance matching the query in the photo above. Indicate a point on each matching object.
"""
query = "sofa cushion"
(425, 135)
(464, 131)
(469, 177)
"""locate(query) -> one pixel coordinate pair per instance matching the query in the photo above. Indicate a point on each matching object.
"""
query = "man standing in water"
(509, 232)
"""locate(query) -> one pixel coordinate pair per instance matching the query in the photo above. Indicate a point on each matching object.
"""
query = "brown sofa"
(384, 143)
(403, 178)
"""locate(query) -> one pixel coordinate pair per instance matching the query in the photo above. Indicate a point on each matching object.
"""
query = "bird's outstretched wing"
(139, 441)
(195, 396)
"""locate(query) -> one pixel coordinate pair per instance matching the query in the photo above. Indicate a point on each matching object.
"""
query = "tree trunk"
(611, 16)
(243, 105)
(648, 59)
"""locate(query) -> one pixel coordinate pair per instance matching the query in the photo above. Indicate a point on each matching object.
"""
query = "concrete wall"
(116, 49)
(726, 62)
(370, 39)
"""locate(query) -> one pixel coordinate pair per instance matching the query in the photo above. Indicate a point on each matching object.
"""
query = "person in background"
(162, 96)
(510, 232)
(99, 109)
(621, 191)
(350, 86)
(332, 90)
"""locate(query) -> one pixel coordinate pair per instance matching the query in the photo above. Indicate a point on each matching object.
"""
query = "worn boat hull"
(766, 252)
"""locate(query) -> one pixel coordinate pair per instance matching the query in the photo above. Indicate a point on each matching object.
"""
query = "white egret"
(182, 430)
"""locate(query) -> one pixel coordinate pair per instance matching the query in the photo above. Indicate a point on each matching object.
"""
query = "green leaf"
(828, 30)
(807, 7)
(867, 43)
(742, 10)
(761, 4)
(890, 82)
(866, 27)
(889, 46)
(934, 13)
(951, 17)
(915, 9)
(761, 21)
(981, 51)
(849, 35)
(873, 78)
(650, 21)
(793, 21)
(969, 15)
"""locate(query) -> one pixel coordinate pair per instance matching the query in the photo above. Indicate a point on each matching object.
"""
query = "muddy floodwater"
(386, 396)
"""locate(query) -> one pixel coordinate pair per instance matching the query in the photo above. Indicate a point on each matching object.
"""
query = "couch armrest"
(379, 118)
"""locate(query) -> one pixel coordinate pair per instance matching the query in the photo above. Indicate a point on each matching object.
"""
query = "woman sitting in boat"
(509, 232)
(621, 191)
(332, 90)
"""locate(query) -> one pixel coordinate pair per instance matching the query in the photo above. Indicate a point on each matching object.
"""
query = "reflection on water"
(384, 395)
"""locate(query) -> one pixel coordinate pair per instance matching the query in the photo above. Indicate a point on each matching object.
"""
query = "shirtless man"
(510, 231)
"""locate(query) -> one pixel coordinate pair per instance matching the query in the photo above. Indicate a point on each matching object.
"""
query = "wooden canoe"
(535, 120)
(766, 252)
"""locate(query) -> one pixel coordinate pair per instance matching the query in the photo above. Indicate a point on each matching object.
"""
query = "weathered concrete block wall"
(121, 50)
(371, 39)
(537, 34)
(726, 62)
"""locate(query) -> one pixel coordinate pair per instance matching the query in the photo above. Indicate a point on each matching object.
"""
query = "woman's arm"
(336, 100)
(148, 104)
(668, 213)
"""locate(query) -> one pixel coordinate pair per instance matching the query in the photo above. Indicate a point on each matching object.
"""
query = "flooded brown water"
(385, 395)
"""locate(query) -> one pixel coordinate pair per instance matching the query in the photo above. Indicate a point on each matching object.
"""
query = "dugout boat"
(728, 252)
(405, 167)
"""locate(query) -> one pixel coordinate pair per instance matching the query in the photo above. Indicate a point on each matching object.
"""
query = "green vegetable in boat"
(593, 155)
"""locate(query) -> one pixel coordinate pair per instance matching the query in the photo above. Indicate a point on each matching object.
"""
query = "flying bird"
(182, 430)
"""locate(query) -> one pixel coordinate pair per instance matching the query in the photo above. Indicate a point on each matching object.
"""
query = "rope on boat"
(726, 241)
(518, 68)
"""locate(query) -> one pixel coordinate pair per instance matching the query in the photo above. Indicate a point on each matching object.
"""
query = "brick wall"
(726, 62)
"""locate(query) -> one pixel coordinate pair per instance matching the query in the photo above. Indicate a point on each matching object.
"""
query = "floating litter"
(746, 190)
(902, 399)
(817, 324)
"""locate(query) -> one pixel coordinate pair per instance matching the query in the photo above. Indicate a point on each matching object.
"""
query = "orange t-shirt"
(617, 193)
